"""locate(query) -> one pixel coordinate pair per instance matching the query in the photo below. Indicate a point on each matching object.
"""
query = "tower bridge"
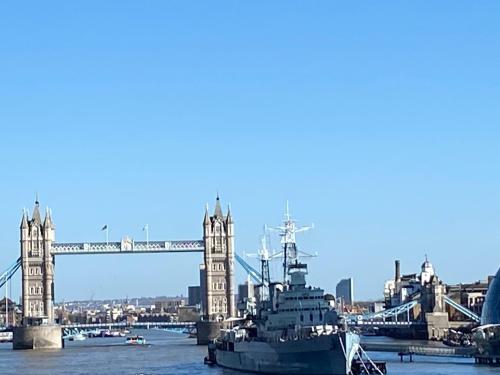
(37, 262)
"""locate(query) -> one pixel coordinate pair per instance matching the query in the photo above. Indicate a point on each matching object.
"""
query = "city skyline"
(389, 145)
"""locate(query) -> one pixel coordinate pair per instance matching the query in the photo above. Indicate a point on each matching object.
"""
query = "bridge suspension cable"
(394, 311)
(462, 309)
(7, 274)
(252, 272)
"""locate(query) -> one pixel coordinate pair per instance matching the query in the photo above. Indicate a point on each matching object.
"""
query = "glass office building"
(491, 307)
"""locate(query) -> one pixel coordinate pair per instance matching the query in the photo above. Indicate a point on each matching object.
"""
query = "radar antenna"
(287, 233)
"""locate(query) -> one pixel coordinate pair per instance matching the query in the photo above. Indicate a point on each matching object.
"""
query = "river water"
(174, 353)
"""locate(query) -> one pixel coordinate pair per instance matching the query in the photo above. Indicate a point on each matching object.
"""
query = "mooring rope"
(343, 351)
(361, 359)
(369, 359)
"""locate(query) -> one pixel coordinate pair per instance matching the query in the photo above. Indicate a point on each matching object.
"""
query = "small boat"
(6, 336)
(136, 340)
(113, 333)
(77, 337)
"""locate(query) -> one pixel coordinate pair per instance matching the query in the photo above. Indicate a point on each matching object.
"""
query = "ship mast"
(287, 233)
(265, 256)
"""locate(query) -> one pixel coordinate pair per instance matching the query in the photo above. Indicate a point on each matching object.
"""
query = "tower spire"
(36, 212)
(24, 220)
(47, 223)
(218, 209)
(206, 219)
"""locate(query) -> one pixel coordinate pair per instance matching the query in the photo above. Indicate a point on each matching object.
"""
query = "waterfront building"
(491, 307)
(194, 295)
(426, 285)
(470, 295)
(203, 290)
(345, 291)
(169, 305)
(245, 291)
(246, 298)
(10, 313)
(188, 314)
(487, 335)
(368, 307)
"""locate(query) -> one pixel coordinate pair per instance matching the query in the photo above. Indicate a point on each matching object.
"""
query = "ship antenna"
(287, 233)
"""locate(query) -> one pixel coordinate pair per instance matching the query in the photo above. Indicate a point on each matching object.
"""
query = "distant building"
(345, 291)
(169, 305)
(424, 286)
(368, 307)
(202, 286)
(245, 291)
(194, 295)
(491, 313)
(246, 299)
(470, 295)
(9, 313)
(188, 314)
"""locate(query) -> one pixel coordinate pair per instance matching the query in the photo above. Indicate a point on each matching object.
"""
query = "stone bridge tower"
(37, 268)
(218, 237)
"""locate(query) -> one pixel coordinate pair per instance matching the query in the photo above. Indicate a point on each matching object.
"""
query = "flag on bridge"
(105, 227)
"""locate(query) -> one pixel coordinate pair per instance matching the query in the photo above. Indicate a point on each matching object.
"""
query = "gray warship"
(294, 329)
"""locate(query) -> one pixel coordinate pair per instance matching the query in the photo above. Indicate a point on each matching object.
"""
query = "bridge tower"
(218, 238)
(37, 265)
(37, 268)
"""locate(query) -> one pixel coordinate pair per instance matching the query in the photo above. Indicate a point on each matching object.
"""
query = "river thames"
(174, 353)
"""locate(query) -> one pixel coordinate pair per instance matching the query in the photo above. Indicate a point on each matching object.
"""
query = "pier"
(411, 349)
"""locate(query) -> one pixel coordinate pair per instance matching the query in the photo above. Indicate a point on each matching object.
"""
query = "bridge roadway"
(127, 246)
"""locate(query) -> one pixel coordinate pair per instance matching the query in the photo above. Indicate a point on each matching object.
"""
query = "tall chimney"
(397, 276)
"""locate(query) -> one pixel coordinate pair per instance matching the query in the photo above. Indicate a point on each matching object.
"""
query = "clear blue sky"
(379, 121)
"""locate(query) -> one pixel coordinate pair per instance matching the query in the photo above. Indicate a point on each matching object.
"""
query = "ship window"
(301, 317)
(311, 317)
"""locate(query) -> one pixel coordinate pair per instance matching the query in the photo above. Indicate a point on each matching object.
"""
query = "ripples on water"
(172, 353)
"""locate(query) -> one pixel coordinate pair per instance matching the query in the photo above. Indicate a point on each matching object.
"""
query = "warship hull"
(316, 355)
